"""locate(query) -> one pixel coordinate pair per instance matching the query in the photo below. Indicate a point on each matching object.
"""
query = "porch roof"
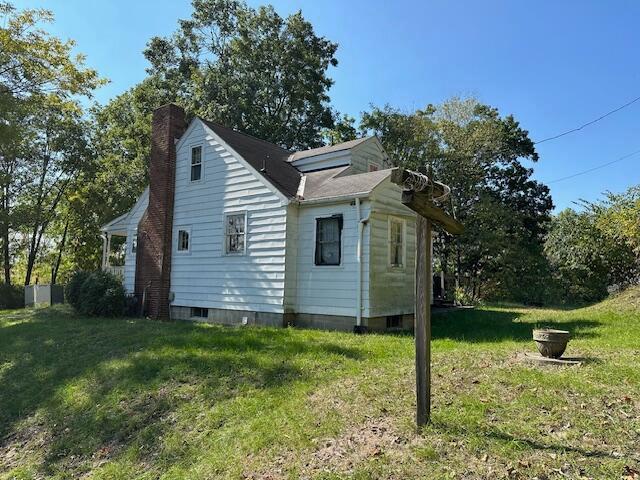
(117, 226)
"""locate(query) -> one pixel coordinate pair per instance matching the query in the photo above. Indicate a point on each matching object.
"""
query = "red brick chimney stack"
(153, 258)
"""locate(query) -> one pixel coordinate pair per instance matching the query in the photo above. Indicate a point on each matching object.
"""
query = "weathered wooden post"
(419, 193)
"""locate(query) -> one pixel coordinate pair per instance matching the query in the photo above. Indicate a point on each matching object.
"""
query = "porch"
(114, 246)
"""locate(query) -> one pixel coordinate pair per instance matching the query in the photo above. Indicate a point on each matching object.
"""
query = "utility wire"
(598, 167)
(588, 123)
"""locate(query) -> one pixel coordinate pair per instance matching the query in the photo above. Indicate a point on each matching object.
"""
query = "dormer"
(362, 154)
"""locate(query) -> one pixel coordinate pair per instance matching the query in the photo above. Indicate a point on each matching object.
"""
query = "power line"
(588, 123)
(596, 167)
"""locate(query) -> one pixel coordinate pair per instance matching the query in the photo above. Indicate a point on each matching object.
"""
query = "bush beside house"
(96, 293)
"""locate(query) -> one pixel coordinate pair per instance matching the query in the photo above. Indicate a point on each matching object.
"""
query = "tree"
(249, 69)
(37, 71)
(479, 154)
(585, 260)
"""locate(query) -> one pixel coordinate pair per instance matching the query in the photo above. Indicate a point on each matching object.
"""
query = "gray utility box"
(43, 295)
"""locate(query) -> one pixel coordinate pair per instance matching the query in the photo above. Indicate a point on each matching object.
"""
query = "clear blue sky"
(554, 65)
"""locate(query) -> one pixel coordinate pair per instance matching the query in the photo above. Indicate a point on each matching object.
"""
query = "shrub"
(97, 294)
(72, 289)
(11, 296)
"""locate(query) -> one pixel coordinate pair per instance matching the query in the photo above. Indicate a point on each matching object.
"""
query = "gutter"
(361, 224)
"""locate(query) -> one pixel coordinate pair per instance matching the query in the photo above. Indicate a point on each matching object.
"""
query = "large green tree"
(479, 154)
(38, 74)
(249, 69)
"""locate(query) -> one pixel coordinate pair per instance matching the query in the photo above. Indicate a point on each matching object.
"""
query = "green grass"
(105, 398)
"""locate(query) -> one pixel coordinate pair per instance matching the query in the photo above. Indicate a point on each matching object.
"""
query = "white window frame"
(191, 164)
(177, 249)
(403, 223)
(224, 233)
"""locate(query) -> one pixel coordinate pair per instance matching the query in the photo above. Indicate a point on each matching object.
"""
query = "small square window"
(183, 240)
(197, 312)
(234, 233)
(328, 240)
(196, 164)
(394, 321)
(373, 167)
(396, 242)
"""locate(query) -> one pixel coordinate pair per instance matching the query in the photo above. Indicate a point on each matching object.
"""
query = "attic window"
(373, 167)
(196, 164)
(328, 240)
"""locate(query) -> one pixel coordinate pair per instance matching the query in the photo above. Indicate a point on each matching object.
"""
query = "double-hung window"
(328, 240)
(183, 240)
(396, 242)
(235, 234)
(134, 243)
(196, 164)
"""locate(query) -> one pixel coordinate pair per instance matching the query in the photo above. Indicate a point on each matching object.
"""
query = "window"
(134, 243)
(328, 235)
(183, 240)
(234, 233)
(196, 164)
(373, 167)
(394, 321)
(197, 312)
(396, 242)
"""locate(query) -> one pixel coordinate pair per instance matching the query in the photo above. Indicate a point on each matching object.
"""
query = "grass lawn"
(129, 399)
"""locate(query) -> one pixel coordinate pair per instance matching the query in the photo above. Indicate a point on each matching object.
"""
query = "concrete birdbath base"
(551, 343)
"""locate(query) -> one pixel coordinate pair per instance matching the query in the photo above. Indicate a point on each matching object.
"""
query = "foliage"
(42, 141)
(96, 293)
(134, 398)
(479, 154)
(73, 287)
(249, 69)
(585, 259)
(11, 296)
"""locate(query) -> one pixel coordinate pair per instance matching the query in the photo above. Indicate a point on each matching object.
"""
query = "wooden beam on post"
(418, 194)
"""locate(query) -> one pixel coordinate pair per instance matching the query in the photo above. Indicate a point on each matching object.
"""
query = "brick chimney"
(153, 258)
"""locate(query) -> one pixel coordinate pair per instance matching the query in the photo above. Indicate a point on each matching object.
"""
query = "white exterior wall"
(365, 154)
(206, 277)
(132, 228)
(331, 290)
(391, 288)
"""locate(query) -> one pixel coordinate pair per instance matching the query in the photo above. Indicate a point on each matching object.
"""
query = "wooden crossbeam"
(422, 204)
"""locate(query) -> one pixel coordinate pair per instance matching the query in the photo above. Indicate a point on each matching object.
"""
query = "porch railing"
(117, 270)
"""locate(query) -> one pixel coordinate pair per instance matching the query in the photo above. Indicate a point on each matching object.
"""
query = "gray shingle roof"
(329, 148)
(339, 182)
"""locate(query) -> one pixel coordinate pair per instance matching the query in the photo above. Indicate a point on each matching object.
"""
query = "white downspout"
(361, 223)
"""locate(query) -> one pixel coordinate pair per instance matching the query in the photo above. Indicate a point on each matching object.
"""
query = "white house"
(234, 229)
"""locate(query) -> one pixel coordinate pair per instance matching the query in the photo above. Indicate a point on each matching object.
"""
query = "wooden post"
(423, 320)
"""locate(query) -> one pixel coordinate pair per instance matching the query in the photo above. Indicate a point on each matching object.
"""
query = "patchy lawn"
(141, 399)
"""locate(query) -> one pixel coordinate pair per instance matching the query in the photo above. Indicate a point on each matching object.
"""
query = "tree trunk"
(56, 268)
(4, 233)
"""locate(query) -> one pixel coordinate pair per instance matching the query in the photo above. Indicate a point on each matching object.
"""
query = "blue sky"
(554, 65)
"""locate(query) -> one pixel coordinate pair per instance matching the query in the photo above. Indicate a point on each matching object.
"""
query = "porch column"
(104, 250)
(106, 258)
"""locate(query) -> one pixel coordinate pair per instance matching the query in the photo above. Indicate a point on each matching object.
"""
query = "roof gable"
(268, 159)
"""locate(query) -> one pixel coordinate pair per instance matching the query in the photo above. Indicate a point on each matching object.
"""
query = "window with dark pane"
(396, 242)
(328, 235)
(134, 243)
(196, 163)
(235, 233)
(183, 241)
(197, 312)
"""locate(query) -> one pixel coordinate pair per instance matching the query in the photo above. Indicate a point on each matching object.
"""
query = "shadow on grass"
(113, 383)
(497, 435)
(478, 326)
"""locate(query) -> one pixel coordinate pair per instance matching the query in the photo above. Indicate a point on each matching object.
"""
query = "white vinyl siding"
(391, 287)
(207, 277)
(330, 289)
(132, 234)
